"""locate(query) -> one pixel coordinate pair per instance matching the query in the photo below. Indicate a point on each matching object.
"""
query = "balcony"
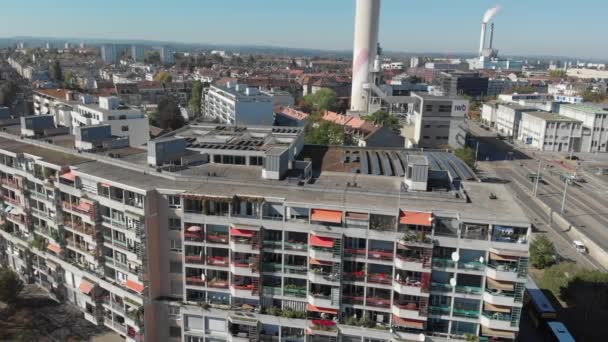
(355, 252)
(440, 310)
(195, 281)
(353, 299)
(322, 300)
(409, 287)
(79, 227)
(296, 245)
(244, 291)
(294, 291)
(194, 237)
(11, 183)
(379, 254)
(272, 244)
(194, 259)
(505, 272)
(466, 313)
(354, 276)
(474, 290)
(441, 287)
(471, 265)
(317, 275)
(323, 327)
(244, 244)
(296, 269)
(248, 267)
(407, 310)
(443, 263)
(379, 278)
(217, 238)
(497, 320)
(217, 261)
(271, 267)
(218, 283)
(379, 302)
(82, 208)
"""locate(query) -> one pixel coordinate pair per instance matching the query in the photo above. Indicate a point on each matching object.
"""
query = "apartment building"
(550, 132)
(109, 53)
(595, 124)
(436, 121)
(260, 238)
(239, 104)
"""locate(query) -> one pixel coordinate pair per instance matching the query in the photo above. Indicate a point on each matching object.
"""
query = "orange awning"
(408, 323)
(241, 232)
(69, 176)
(415, 218)
(498, 333)
(494, 256)
(311, 307)
(332, 216)
(135, 286)
(85, 286)
(321, 241)
(54, 248)
(500, 285)
(104, 185)
(320, 262)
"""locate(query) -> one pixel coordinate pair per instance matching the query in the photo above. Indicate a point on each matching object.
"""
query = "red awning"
(311, 307)
(415, 218)
(135, 286)
(85, 286)
(321, 241)
(320, 262)
(408, 323)
(69, 176)
(241, 232)
(332, 216)
(53, 248)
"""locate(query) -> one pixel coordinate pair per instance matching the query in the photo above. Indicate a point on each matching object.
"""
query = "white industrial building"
(508, 117)
(124, 121)
(595, 125)
(436, 121)
(550, 132)
(239, 104)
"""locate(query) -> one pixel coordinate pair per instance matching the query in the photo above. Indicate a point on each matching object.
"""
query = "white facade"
(123, 120)
(508, 117)
(108, 53)
(167, 55)
(138, 53)
(239, 104)
(488, 113)
(595, 125)
(568, 98)
(550, 132)
(526, 97)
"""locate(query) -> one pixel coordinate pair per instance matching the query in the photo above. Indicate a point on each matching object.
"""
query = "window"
(175, 331)
(174, 202)
(256, 161)
(175, 267)
(176, 245)
(445, 108)
(124, 128)
(428, 108)
(174, 312)
(177, 288)
(175, 223)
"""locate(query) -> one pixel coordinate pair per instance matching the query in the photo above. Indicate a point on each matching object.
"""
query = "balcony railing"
(502, 267)
(11, 183)
(194, 259)
(297, 246)
(354, 252)
(272, 244)
(296, 269)
(497, 316)
(441, 287)
(468, 289)
(323, 325)
(501, 293)
(217, 261)
(472, 265)
(465, 313)
(353, 299)
(219, 284)
(217, 238)
(379, 278)
(439, 309)
(354, 276)
(299, 292)
(380, 255)
(443, 263)
(195, 281)
(378, 302)
(194, 237)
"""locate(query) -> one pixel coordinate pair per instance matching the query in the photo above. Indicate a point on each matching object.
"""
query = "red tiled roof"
(293, 113)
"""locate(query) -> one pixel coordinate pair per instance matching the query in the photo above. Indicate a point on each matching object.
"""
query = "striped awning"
(496, 308)
(500, 285)
(322, 215)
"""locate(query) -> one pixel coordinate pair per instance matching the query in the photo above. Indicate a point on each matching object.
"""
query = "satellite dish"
(481, 260)
(455, 256)
(421, 337)
(452, 281)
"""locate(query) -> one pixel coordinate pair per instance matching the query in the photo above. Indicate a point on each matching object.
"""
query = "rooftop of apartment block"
(548, 116)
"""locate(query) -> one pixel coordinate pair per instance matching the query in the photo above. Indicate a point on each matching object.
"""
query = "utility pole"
(567, 182)
(540, 163)
(476, 153)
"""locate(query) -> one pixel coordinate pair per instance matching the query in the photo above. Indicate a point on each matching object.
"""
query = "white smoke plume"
(491, 13)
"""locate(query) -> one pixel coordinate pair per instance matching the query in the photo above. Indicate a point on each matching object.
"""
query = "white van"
(579, 246)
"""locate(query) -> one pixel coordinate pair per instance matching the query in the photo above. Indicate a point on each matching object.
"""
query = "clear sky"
(557, 27)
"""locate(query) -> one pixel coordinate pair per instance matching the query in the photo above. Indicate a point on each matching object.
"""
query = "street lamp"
(567, 182)
(540, 163)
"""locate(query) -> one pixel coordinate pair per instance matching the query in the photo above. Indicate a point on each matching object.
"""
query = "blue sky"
(557, 27)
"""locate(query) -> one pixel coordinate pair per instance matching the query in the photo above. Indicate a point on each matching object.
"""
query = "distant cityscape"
(191, 192)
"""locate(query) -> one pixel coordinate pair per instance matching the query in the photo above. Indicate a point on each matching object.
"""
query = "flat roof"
(48, 155)
(587, 108)
(548, 116)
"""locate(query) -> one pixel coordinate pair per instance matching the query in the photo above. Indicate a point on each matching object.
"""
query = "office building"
(167, 55)
(508, 117)
(550, 132)
(239, 104)
(435, 121)
(138, 53)
(109, 53)
(459, 83)
(239, 245)
(595, 124)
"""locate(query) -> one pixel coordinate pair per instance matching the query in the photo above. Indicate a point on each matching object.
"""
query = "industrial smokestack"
(367, 20)
(486, 19)
(482, 40)
(491, 35)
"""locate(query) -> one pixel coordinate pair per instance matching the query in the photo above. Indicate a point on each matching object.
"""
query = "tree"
(152, 57)
(557, 74)
(8, 92)
(325, 133)
(163, 77)
(10, 285)
(467, 155)
(542, 252)
(384, 119)
(522, 90)
(56, 72)
(591, 96)
(68, 79)
(168, 116)
(251, 60)
(196, 99)
(322, 100)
